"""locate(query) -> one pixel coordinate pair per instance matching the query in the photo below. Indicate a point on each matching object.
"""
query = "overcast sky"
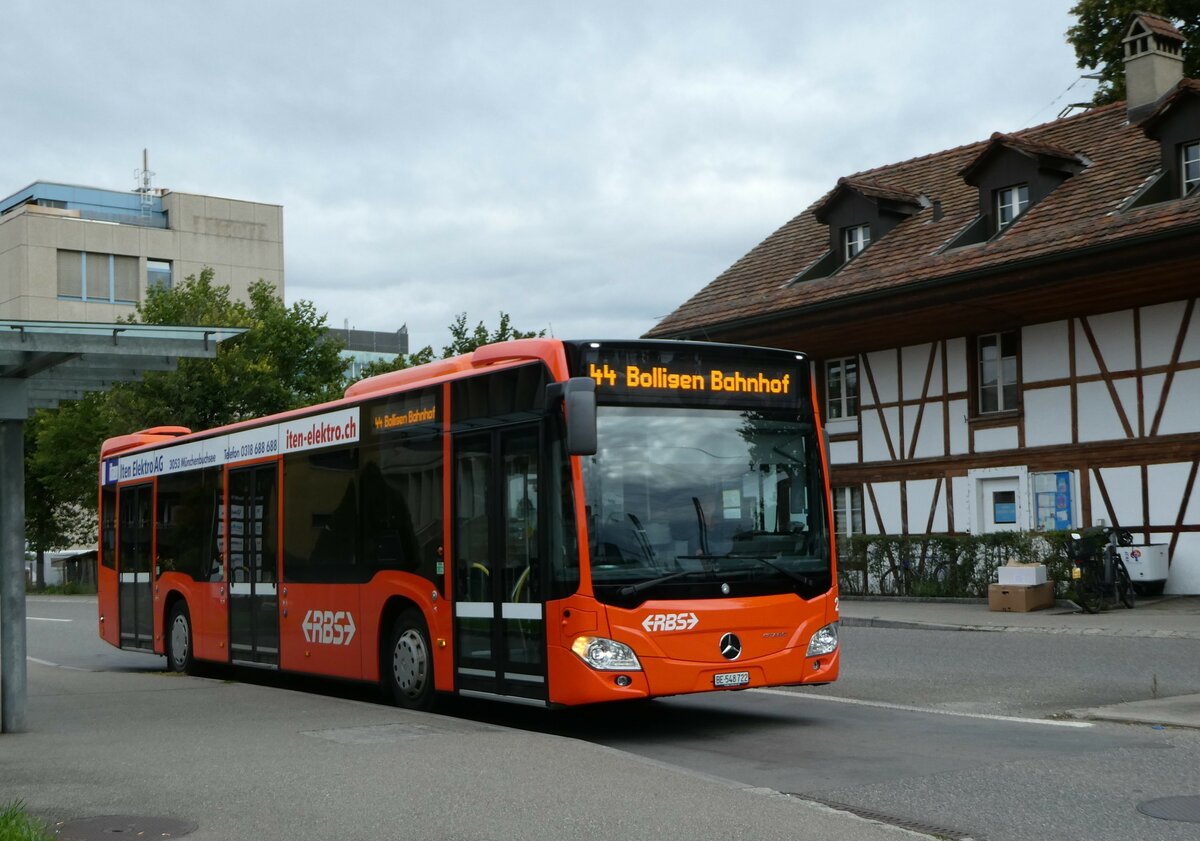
(583, 167)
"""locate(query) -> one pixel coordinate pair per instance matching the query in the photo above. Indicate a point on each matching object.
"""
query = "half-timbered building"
(1007, 331)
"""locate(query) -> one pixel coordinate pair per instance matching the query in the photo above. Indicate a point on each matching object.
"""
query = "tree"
(287, 358)
(50, 525)
(1101, 27)
(462, 340)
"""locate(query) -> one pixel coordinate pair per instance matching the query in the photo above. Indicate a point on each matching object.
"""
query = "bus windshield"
(705, 503)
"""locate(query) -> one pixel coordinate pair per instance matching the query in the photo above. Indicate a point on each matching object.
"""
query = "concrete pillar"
(12, 577)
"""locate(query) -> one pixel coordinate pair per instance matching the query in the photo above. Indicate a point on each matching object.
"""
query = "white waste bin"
(1147, 565)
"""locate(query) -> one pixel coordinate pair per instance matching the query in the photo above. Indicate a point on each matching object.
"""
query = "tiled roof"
(1021, 144)
(1159, 25)
(1185, 89)
(869, 188)
(1083, 213)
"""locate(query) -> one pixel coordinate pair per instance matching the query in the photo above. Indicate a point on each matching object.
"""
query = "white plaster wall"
(1124, 486)
(915, 361)
(1047, 416)
(1160, 326)
(1044, 352)
(887, 494)
(883, 370)
(874, 443)
(843, 452)
(1182, 413)
(956, 364)
(931, 440)
(1098, 419)
(960, 442)
(1184, 576)
(1152, 387)
(1000, 438)
(961, 494)
(1167, 485)
(1114, 335)
(920, 498)
(1191, 343)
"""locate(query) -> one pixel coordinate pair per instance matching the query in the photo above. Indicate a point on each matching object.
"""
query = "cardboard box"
(1021, 598)
(1027, 575)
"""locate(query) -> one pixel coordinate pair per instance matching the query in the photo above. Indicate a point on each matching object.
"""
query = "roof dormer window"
(857, 212)
(855, 239)
(1010, 203)
(1190, 166)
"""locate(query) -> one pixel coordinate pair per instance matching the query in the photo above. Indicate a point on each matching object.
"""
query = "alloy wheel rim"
(179, 640)
(410, 663)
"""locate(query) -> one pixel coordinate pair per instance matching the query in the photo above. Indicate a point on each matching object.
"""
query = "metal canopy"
(43, 363)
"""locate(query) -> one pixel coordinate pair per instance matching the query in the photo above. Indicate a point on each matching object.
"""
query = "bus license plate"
(731, 679)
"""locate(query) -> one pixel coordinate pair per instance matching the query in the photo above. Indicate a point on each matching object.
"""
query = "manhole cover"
(109, 827)
(1173, 808)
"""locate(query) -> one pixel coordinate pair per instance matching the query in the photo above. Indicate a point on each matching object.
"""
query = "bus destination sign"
(692, 377)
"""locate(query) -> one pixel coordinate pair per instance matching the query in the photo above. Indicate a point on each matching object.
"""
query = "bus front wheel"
(409, 662)
(179, 639)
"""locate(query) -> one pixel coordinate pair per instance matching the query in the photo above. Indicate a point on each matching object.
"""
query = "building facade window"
(855, 239)
(158, 273)
(841, 388)
(1190, 166)
(1010, 203)
(998, 390)
(848, 511)
(88, 276)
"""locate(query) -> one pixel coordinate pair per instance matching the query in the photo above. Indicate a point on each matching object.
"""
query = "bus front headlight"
(823, 641)
(605, 654)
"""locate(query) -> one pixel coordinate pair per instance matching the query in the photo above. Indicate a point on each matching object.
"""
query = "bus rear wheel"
(179, 639)
(408, 663)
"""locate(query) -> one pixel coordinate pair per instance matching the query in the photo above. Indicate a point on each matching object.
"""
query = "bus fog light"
(605, 654)
(623, 680)
(824, 641)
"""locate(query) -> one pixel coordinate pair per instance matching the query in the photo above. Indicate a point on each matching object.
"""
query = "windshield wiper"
(762, 559)
(634, 589)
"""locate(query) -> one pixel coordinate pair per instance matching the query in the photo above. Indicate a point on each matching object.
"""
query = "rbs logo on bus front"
(327, 627)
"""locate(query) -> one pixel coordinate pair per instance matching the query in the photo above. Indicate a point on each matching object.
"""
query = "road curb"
(914, 625)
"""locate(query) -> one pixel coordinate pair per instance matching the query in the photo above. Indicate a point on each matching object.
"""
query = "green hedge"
(943, 565)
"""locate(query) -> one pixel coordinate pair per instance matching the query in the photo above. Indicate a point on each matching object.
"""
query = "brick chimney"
(1153, 60)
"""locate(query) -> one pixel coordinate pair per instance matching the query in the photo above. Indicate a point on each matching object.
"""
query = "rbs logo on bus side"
(670, 622)
(328, 627)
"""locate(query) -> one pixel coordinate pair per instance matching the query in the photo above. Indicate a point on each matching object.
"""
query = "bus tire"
(179, 639)
(408, 663)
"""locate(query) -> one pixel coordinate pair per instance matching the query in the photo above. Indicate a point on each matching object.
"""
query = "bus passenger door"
(499, 618)
(253, 525)
(135, 601)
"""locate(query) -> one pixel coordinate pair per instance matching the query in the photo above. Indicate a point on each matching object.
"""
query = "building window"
(854, 240)
(88, 276)
(841, 388)
(1010, 203)
(158, 273)
(997, 372)
(1191, 166)
(847, 511)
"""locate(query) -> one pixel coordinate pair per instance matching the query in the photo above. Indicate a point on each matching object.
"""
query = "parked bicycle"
(1098, 574)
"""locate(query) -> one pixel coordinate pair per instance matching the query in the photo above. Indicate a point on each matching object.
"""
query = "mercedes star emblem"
(731, 647)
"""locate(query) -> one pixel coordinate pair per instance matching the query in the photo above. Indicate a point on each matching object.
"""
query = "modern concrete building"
(70, 253)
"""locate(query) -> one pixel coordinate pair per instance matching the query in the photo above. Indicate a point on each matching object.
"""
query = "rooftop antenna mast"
(142, 181)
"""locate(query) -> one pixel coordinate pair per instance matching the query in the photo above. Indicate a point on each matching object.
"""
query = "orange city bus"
(539, 521)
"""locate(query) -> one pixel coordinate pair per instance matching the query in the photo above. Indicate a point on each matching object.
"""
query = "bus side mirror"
(578, 396)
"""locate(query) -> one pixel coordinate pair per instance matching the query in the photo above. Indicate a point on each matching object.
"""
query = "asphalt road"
(952, 731)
